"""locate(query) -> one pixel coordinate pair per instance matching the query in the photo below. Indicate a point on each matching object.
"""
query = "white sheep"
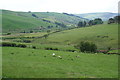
(95, 53)
(59, 57)
(53, 54)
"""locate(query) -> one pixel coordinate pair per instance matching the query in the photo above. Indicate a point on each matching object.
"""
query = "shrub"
(49, 48)
(34, 15)
(8, 33)
(87, 47)
(27, 41)
(21, 45)
(8, 44)
(34, 47)
(31, 31)
(71, 50)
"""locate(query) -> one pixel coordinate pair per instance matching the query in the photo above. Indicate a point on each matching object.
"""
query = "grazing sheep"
(53, 54)
(59, 57)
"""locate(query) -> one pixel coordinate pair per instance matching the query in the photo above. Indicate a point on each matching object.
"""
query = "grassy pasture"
(36, 63)
(13, 22)
(103, 35)
(24, 21)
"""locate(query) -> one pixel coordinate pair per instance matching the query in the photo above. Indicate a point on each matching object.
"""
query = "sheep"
(53, 54)
(95, 53)
(59, 57)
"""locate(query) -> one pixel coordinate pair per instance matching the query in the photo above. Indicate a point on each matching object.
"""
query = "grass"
(13, 22)
(24, 21)
(114, 51)
(32, 63)
(93, 34)
(39, 63)
(67, 39)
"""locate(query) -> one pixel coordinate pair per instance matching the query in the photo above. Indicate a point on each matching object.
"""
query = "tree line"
(116, 19)
(90, 22)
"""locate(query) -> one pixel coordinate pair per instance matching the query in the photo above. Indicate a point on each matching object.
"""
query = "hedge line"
(8, 44)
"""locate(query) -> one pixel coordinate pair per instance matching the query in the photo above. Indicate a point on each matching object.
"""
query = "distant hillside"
(20, 21)
(104, 16)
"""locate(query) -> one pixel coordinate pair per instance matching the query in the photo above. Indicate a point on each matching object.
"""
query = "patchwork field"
(103, 36)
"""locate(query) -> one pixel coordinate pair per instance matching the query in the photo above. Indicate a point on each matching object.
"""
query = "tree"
(29, 11)
(111, 20)
(34, 15)
(87, 47)
(46, 35)
(8, 33)
(117, 19)
(48, 31)
(31, 31)
(90, 22)
(84, 24)
(80, 24)
(93, 48)
(97, 21)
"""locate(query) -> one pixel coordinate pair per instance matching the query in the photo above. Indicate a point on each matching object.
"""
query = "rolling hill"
(20, 21)
(103, 35)
(103, 15)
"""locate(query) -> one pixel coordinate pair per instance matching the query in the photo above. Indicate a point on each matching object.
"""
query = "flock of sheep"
(54, 55)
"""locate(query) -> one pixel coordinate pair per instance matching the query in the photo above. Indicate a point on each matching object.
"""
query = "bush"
(34, 47)
(21, 45)
(31, 31)
(49, 48)
(87, 47)
(8, 33)
(27, 41)
(8, 44)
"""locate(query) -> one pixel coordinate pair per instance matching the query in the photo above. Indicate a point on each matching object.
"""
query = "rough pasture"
(36, 63)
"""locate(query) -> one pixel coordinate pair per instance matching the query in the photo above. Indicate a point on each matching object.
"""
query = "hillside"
(20, 21)
(103, 35)
(103, 15)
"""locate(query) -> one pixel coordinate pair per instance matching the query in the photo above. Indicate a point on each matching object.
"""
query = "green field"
(94, 34)
(36, 63)
(35, 60)
(103, 36)
(24, 21)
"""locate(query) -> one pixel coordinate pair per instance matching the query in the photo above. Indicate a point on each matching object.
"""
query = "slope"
(13, 22)
(103, 35)
(103, 15)
(19, 21)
